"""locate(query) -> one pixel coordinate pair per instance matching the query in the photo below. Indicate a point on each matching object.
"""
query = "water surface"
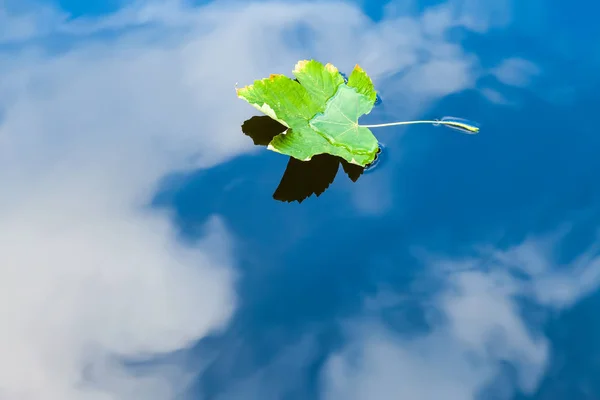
(155, 249)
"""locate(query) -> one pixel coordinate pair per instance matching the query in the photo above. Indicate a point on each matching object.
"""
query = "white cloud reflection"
(477, 325)
(95, 111)
(516, 72)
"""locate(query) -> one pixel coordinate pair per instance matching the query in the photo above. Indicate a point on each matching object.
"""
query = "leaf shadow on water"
(301, 179)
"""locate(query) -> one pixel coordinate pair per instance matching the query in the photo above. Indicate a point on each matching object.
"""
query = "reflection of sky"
(138, 222)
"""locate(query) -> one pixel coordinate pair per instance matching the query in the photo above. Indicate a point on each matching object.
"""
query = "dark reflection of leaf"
(262, 129)
(304, 178)
(301, 179)
(352, 170)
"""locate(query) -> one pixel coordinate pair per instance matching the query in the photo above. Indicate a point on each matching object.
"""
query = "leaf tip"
(272, 148)
(300, 65)
(331, 68)
(240, 91)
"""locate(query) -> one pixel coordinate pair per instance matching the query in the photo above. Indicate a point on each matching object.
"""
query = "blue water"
(530, 169)
(308, 264)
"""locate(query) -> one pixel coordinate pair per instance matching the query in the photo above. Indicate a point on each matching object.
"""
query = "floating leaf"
(320, 109)
(300, 179)
(340, 121)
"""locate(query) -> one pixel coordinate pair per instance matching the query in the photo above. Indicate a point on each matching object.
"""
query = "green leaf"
(301, 179)
(320, 110)
(360, 81)
(281, 98)
(321, 82)
(340, 122)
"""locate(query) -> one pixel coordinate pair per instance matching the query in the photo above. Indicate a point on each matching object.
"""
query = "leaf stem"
(405, 123)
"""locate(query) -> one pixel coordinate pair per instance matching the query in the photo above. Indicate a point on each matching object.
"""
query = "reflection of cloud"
(477, 326)
(85, 135)
(558, 288)
(19, 22)
(480, 17)
(431, 65)
(282, 378)
(456, 360)
(87, 273)
(494, 96)
(440, 78)
(372, 194)
(516, 72)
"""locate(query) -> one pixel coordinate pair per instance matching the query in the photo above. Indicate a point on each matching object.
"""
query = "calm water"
(310, 264)
(456, 267)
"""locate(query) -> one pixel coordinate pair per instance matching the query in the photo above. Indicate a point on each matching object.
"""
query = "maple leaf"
(321, 108)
